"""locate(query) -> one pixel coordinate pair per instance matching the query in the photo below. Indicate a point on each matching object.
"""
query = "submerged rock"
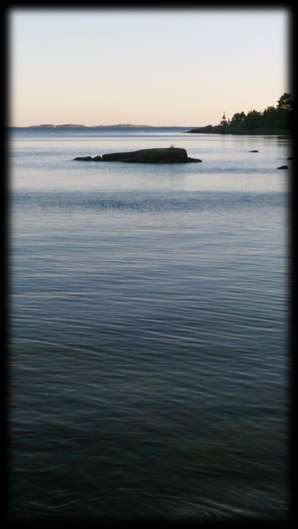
(156, 155)
(254, 150)
(283, 167)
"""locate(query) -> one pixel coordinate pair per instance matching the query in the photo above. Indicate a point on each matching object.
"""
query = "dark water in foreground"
(148, 330)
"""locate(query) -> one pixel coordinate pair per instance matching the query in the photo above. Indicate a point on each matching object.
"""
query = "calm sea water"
(149, 313)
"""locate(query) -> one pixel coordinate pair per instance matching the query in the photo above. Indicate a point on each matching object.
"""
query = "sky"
(147, 66)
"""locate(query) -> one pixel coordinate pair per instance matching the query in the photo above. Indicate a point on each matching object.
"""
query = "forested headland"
(273, 120)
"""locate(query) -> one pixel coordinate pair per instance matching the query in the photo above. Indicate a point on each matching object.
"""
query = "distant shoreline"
(86, 127)
(148, 128)
(219, 130)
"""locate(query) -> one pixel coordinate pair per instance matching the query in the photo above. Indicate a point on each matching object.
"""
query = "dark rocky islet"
(156, 155)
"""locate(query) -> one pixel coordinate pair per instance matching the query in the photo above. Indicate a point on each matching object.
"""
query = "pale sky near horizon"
(155, 67)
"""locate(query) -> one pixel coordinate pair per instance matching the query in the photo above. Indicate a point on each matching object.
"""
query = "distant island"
(273, 120)
(114, 126)
(76, 126)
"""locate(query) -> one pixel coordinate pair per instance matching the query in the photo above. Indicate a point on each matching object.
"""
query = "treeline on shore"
(273, 120)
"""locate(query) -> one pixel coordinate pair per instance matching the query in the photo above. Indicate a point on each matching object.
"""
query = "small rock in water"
(254, 150)
(283, 167)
